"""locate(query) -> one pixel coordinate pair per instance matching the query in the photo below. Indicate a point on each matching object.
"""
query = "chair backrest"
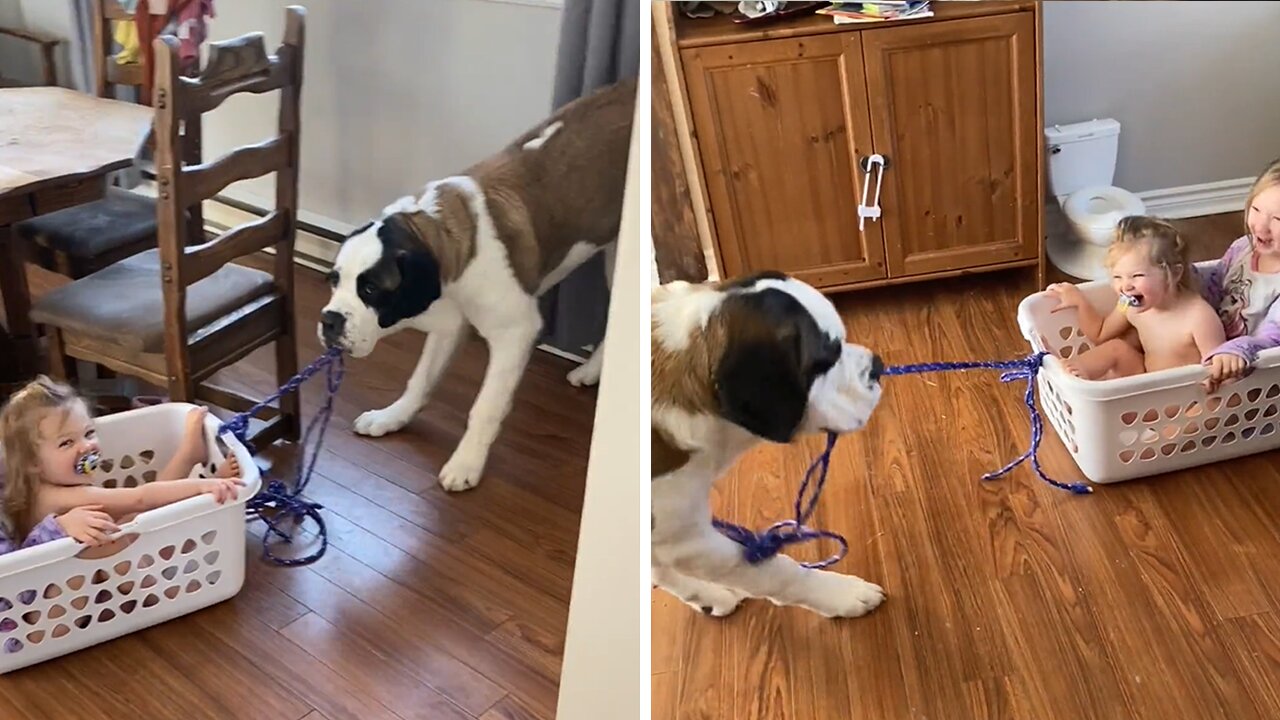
(107, 72)
(47, 44)
(239, 65)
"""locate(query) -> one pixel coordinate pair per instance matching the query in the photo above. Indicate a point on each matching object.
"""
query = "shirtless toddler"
(1159, 322)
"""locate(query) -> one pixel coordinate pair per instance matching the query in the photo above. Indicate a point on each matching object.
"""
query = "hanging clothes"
(188, 21)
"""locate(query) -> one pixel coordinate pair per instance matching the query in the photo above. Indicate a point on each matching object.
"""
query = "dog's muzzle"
(332, 326)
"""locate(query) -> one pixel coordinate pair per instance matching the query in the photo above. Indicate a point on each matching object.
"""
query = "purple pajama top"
(1245, 300)
(44, 531)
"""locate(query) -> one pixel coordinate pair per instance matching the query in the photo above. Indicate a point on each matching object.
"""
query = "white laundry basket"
(1147, 424)
(165, 563)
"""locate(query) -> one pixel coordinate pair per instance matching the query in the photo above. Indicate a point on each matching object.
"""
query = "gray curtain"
(599, 45)
(81, 45)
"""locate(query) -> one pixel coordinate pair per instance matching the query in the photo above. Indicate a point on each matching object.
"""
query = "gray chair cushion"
(123, 304)
(118, 220)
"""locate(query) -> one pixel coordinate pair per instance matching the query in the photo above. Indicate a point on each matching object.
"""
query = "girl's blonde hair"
(20, 436)
(1166, 248)
(1268, 179)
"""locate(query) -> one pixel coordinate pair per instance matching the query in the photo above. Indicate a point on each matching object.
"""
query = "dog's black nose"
(332, 324)
(877, 368)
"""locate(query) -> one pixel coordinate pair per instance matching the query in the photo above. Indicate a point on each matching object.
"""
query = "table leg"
(19, 360)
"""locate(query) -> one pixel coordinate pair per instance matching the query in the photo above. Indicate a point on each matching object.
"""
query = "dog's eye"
(332, 278)
(366, 289)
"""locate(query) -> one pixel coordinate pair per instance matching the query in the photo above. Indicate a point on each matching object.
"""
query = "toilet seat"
(1093, 212)
(1100, 208)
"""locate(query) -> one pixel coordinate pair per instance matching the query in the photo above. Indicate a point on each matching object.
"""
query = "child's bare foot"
(230, 468)
(1073, 368)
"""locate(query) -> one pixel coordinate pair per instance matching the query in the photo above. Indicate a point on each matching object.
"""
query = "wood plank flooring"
(1009, 599)
(426, 604)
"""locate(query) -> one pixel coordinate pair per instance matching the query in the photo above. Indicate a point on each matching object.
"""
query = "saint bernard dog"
(477, 250)
(734, 364)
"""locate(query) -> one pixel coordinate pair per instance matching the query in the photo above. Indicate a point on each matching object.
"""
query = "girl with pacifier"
(50, 452)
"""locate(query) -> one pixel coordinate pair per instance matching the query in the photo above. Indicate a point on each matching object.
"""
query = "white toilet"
(1082, 165)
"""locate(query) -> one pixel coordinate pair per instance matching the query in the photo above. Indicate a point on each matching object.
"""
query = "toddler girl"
(1160, 321)
(1244, 284)
(49, 439)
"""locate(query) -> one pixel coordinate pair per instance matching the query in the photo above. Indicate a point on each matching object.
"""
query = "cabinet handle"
(872, 211)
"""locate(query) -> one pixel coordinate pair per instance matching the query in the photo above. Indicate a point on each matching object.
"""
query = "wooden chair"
(175, 315)
(108, 72)
(82, 239)
(48, 66)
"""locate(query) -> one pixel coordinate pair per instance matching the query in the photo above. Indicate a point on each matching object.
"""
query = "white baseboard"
(1196, 200)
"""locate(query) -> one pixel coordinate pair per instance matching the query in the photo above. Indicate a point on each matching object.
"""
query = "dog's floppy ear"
(419, 269)
(761, 386)
(419, 274)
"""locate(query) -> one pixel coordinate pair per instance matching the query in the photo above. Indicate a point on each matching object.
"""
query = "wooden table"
(56, 148)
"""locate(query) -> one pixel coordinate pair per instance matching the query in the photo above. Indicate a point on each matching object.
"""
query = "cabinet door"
(953, 109)
(780, 124)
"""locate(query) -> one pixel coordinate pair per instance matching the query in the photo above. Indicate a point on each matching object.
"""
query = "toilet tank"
(1082, 154)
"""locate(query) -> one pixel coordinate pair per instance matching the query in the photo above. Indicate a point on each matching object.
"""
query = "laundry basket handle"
(146, 522)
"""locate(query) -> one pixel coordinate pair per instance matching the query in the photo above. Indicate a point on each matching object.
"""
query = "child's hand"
(1068, 295)
(1224, 367)
(222, 489)
(88, 525)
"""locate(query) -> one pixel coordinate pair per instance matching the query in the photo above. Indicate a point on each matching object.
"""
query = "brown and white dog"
(476, 250)
(734, 364)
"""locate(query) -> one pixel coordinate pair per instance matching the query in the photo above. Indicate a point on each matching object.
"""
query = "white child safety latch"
(873, 210)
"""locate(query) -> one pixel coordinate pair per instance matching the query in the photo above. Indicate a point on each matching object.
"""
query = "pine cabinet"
(860, 155)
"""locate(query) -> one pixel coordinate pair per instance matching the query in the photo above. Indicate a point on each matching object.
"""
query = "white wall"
(608, 611)
(445, 83)
(1194, 85)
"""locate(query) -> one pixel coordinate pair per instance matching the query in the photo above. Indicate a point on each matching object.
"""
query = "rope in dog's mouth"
(760, 546)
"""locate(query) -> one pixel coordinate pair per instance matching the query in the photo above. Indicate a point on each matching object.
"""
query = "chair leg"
(182, 390)
(291, 404)
(61, 366)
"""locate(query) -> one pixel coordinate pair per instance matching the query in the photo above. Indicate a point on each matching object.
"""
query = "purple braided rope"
(764, 545)
(1022, 369)
(276, 496)
(767, 543)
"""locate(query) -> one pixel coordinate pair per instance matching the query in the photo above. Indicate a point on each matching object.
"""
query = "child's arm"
(118, 502)
(1116, 325)
(1247, 347)
(1091, 322)
(1207, 331)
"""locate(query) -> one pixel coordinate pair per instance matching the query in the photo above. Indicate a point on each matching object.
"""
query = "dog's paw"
(587, 373)
(462, 472)
(376, 423)
(715, 601)
(846, 596)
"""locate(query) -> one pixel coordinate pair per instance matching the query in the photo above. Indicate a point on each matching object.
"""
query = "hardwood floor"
(426, 604)
(1008, 599)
